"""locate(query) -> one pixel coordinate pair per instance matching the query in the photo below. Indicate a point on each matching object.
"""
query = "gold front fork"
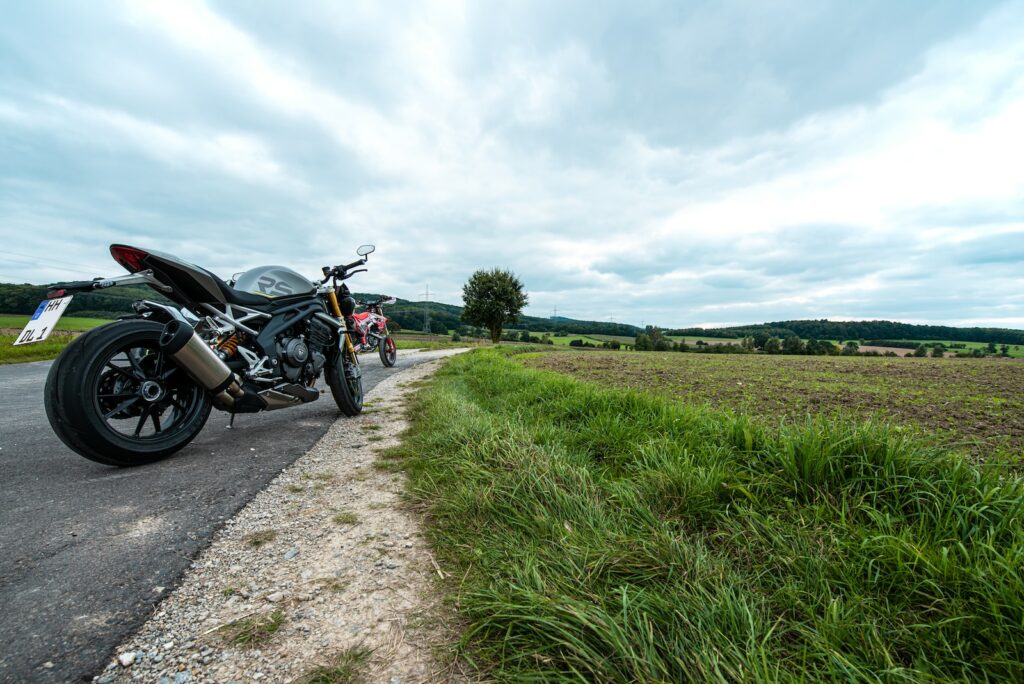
(332, 300)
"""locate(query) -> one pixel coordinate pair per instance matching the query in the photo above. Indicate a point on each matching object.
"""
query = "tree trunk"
(496, 334)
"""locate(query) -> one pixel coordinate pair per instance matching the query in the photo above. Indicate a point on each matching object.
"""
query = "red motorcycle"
(372, 327)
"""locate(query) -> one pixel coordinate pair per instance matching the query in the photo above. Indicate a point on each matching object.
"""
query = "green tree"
(851, 348)
(493, 298)
(921, 351)
(438, 328)
(792, 345)
(991, 348)
(643, 342)
(772, 345)
(938, 352)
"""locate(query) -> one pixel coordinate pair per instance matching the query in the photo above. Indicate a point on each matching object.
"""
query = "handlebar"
(342, 270)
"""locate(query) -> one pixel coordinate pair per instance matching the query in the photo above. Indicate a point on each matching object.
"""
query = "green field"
(594, 533)
(978, 403)
(593, 339)
(10, 328)
(431, 344)
(1016, 351)
(71, 323)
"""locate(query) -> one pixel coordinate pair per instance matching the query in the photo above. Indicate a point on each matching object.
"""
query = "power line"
(37, 262)
(426, 309)
(36, 258)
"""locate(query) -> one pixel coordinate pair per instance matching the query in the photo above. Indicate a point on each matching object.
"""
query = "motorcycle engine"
(301, 361)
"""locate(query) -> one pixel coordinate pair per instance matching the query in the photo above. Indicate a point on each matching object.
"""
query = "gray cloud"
(681, 163)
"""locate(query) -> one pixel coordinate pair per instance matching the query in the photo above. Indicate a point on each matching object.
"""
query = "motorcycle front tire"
(345, 379)
(388, 352)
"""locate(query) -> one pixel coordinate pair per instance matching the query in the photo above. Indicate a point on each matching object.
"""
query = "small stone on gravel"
(291, 553)
(126, 659)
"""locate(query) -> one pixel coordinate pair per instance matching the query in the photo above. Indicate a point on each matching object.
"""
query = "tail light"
(129, 257)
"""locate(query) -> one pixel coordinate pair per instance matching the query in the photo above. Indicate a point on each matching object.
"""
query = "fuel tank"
(274, 281)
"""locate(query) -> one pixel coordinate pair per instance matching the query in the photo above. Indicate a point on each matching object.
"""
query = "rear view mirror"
(365, 249)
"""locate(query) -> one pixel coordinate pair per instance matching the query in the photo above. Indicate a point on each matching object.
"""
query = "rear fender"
(155, 311)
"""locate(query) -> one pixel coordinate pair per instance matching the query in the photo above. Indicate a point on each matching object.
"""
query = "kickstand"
(231, 423)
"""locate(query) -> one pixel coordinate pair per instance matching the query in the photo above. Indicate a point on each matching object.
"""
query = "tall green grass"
(599, 535)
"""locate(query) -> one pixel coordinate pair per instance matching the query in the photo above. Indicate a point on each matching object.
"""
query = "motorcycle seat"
(253, 300)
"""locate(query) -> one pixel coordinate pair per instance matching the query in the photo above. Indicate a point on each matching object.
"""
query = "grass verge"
(38, 351)
(605, 535)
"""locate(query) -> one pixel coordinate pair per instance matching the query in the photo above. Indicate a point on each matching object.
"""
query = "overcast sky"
(683, 163)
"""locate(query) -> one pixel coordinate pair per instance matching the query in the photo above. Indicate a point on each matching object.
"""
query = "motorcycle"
(372, 326)
(140, 388)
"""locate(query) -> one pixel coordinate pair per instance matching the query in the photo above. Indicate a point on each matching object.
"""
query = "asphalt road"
(87, 550)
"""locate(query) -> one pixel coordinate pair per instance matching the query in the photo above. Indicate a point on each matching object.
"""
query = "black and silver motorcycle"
(141, 388)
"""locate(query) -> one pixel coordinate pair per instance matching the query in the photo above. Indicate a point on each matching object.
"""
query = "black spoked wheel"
(388, 352)
(346, 381)
(114, 397)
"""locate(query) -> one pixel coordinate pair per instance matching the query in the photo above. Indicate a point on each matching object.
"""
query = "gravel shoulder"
(325, 566)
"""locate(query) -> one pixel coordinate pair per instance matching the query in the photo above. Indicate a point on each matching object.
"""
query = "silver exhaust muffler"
(188, 350)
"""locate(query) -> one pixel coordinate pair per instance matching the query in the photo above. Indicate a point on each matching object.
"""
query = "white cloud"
(459, 136)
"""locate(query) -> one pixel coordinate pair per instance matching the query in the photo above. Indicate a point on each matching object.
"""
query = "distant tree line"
(109, 303)
(859, 330)
(653, 339)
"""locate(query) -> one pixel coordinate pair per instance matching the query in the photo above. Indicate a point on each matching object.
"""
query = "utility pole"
(554, 314)
(426, 309)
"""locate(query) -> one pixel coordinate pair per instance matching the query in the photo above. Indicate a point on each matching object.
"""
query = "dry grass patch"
(252, 631)
(260, 538)
(346, 667)
(345, 518)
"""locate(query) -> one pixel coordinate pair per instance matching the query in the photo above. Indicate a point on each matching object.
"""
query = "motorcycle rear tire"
(73, 397)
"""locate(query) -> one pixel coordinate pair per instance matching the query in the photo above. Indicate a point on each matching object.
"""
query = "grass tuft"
(345, 667)
(605, 535)
(345, 518)
(260, 538)
(252, 631)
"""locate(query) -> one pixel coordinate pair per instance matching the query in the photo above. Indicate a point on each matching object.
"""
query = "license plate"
(43, 321)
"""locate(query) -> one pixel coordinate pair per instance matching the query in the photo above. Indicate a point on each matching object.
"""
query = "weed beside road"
(597, 534)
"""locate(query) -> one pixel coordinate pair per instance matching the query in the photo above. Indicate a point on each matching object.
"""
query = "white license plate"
(43, 321)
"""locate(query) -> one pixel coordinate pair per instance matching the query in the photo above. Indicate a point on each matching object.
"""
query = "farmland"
(67, 328)
(975, 402)
(70, 323)
(592, 533)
